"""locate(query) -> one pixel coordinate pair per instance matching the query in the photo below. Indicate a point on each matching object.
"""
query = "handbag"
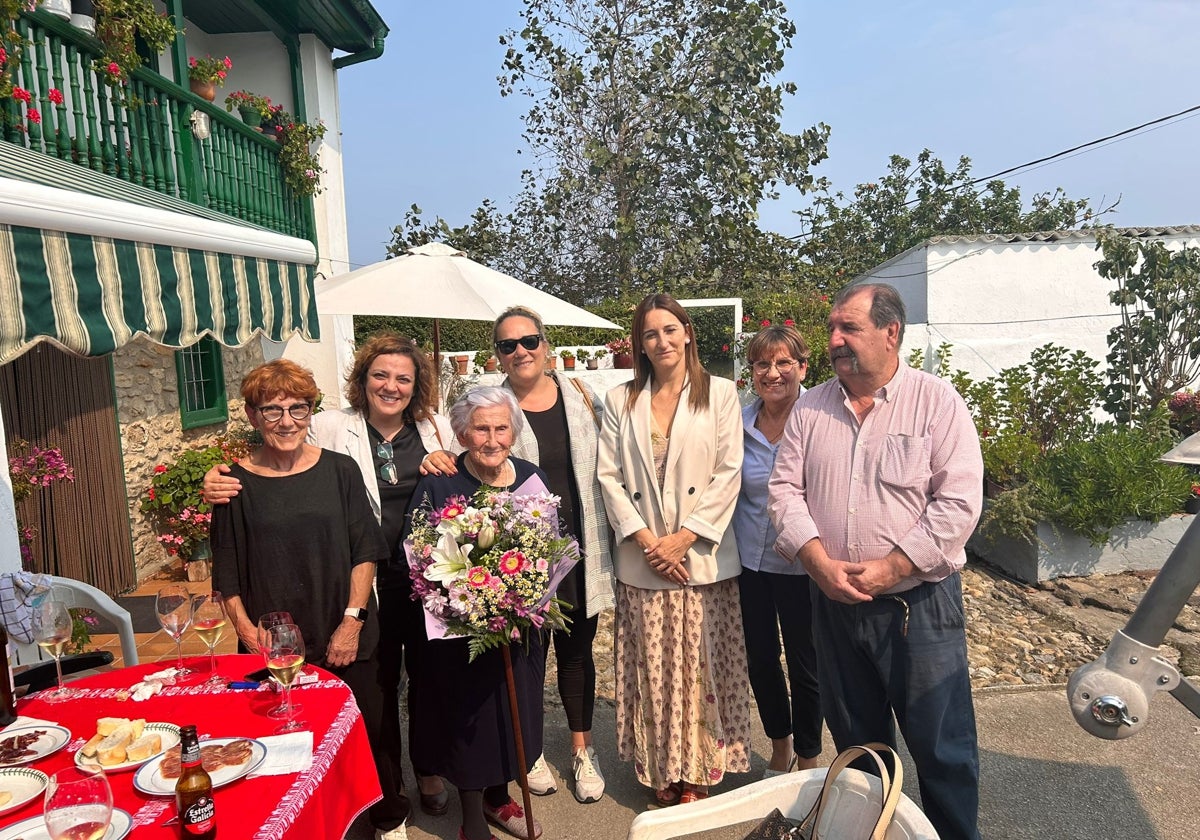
(775, 827)
(892, 788)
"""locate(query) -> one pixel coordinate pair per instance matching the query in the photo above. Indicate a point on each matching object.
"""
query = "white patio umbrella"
(437, 281)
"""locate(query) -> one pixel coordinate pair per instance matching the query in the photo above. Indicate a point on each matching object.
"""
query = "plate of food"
(18, 785)
(225, 759)
(34, 828)
(23, 744)
(123, 744)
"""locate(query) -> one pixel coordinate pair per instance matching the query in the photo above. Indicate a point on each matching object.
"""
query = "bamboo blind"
(54, 399)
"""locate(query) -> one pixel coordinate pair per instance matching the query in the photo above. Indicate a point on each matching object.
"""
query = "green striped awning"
(93, 294)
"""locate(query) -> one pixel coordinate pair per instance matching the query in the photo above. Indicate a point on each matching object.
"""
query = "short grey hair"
(887, 307)
(490, 396)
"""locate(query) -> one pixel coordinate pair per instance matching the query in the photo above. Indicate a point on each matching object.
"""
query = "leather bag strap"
(892, 789)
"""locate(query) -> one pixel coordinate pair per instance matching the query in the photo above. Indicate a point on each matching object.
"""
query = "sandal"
(670, 795)
(693, 793)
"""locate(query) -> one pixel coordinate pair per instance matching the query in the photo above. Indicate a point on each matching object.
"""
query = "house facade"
(152, 250)
(995, 298)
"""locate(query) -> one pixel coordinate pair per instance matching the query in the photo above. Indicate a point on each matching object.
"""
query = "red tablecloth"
(320, 802)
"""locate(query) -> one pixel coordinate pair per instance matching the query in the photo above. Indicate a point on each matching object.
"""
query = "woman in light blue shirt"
(774, 592)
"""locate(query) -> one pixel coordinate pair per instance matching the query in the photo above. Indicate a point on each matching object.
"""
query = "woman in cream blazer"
(669, 466)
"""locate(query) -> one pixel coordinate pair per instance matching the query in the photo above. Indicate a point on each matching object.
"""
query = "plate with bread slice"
(225, 759)
(34, 828)
(23, 744)
(123, 744)
(18, 785)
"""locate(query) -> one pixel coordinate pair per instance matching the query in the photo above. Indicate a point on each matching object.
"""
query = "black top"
(554, 457)
(291, 542)
(407, 454)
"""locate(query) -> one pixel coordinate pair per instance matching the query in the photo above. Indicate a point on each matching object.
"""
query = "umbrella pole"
(522, 774)
(437, 363)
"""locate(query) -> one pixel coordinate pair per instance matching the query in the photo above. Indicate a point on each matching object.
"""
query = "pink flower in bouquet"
(513, 562)
(479, 576)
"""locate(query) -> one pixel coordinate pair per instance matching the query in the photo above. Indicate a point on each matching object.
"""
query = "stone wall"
(148, 417)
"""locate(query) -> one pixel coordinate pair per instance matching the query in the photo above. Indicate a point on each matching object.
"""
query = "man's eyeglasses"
(508, 346)
(274, 413)
(388, 470)
(784, 366)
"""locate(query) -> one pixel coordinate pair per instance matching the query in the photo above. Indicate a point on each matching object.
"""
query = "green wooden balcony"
(143, 132)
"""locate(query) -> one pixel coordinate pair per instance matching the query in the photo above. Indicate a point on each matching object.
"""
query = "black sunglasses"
(508, 346)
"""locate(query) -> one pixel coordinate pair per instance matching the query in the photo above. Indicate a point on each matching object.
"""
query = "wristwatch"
(356, 612)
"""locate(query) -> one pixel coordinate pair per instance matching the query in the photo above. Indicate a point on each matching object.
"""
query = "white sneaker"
(589, 781)
(541, 780)
(400, 832)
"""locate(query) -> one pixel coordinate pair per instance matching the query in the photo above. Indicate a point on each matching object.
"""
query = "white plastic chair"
(85, 595)
(856, 799)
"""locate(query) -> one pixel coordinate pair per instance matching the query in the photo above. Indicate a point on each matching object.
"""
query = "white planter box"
(1136, 545)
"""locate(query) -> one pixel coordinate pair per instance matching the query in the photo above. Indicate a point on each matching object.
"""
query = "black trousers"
(577, 668)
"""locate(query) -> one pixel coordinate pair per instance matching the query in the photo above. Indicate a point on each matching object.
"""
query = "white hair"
(486, 397)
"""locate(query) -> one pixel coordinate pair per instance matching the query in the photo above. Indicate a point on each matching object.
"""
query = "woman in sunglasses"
(387, 429)
(562, 418)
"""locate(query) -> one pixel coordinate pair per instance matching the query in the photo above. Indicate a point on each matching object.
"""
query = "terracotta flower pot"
(623, 361)
(205, 90)
(568, 364)
(461, 363)
(490, 366)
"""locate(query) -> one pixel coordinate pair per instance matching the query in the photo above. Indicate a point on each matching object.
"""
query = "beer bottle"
(8, 692)
(193, 791)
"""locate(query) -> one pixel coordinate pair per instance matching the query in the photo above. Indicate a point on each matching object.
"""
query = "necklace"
(507, 469)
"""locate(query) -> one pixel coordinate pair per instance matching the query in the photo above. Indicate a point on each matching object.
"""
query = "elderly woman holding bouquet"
(462, 700)
(670, 467)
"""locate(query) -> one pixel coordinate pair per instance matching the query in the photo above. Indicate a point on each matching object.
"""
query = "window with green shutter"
(201, 384)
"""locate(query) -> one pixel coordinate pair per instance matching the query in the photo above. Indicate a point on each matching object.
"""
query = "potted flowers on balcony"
(568, 358)
(205, 74)
(301, 167)
(622, 352)
(119, 25)
(252, 107)
(485, 361)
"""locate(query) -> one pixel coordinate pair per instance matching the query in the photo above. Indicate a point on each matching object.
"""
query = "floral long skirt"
(683, 693)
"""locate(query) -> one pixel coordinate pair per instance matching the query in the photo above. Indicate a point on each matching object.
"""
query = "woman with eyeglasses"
(670, 465)
(774, 592)
(388, 428)
(562, 417)
(301, 537)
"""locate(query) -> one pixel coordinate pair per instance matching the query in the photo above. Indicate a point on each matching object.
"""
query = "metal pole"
(1169, 592)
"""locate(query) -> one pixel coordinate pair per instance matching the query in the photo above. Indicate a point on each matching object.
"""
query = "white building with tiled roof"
(996, 297)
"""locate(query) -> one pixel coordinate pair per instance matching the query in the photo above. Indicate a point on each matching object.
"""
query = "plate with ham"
(225, 759)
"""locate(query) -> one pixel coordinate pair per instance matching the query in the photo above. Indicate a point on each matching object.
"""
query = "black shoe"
(435, 804)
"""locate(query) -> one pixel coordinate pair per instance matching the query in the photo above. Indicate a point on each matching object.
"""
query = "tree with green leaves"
(909, 204)
(655, 134)
(1155, 350)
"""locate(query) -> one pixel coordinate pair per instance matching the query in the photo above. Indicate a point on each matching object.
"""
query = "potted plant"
(1192, 505)
(597, 355)
(460, 364)
(585, 356)
(568, 359)
(174, 501)
(83, 15)
(119, 25)
(485, 361)
(551, 361)
(301, 167)
(622, 352)
(205, 74)
(252, 107)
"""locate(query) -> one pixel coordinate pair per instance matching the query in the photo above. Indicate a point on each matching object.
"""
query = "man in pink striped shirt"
(877, 486)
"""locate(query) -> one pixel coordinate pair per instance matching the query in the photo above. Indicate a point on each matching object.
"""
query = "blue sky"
(1001, 82)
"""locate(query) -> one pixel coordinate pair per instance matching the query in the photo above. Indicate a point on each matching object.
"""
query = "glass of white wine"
(174, 608)
(285, 658)
(52, 624)
(265, 622)
(78, 804)
(208, 620)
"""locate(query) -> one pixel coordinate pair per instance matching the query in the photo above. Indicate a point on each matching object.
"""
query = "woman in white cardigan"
(560, 435)
(388, 429)
(669, 467)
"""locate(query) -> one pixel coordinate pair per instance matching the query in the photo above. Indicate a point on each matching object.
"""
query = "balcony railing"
(142, 132)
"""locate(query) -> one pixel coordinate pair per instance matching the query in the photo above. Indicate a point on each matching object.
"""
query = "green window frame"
(201, 382)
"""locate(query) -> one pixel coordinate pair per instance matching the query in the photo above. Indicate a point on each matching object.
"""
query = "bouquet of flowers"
(487, 567)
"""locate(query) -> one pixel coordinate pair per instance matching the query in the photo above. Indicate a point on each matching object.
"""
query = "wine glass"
(174, 608)
(52, 630)
(79, 804)
(285, 658)
(208, 620)
(265, 622)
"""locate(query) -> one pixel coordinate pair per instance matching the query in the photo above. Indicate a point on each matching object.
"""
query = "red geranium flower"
(55, 96)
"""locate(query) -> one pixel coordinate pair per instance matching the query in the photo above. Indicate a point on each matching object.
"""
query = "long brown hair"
(644, 371)
(388, 344)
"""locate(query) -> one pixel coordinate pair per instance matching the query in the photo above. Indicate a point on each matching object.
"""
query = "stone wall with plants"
(148, 417)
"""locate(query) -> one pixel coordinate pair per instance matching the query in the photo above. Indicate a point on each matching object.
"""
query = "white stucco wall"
(10, 549)
(996, 302)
